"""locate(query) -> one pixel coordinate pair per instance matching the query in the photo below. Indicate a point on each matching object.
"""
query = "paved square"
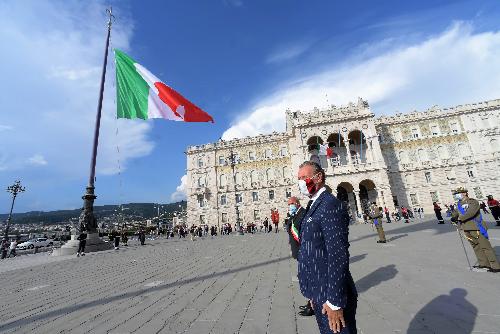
(417, 283)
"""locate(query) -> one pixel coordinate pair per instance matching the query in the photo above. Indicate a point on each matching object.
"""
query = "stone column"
(358, 202)
(348, 148)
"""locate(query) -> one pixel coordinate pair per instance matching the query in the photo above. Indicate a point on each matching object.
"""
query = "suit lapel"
(314, 206)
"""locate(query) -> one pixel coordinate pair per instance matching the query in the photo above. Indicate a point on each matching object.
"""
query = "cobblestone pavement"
(417, 283)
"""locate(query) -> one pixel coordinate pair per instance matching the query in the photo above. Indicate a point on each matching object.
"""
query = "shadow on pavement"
(497, 251)
(413, 227)
(73, 308)
(397, 237)
(375, 278)
(357, 258)
(445, 314)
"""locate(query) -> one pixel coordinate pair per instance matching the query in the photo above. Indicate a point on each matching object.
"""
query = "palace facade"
(410, 160)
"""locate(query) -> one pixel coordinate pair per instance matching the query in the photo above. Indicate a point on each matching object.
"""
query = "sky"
(242, 61)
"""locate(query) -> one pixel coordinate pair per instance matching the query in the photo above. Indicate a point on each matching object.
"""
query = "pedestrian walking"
(142, 237)
(404, 212)
(82, 241)
(494, 208)
(437, 211)
(275, 218)
(12, 248)
(323, 270)
(387, 215)
(468, 216)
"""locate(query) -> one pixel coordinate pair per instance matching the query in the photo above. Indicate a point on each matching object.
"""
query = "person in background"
(12, 247)
(437, 211)
(494, 208)
(387, 215)
(82, 238)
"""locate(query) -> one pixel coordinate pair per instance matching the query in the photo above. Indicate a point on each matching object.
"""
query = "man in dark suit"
(324, 274)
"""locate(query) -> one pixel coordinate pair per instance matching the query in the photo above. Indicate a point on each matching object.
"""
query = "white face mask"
(303, 188)
(458, 196)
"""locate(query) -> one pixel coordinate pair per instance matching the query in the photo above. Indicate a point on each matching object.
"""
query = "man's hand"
(335, 318)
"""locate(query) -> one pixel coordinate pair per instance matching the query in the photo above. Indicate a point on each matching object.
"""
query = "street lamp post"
(14, 189)
(233, 162)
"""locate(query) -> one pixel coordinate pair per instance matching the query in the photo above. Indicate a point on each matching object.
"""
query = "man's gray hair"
(316, 168)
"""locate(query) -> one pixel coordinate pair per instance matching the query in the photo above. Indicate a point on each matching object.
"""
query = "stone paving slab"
(417, 283)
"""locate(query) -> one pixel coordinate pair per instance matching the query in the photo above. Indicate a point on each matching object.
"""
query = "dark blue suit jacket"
(323, 254)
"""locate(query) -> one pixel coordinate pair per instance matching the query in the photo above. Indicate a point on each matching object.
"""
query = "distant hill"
(145, 210)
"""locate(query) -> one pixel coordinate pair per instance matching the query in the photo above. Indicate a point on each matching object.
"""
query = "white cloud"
(288, 52)
(180, 191)
(51, 72)
(38, 160)
(5, 127)
(455, 67)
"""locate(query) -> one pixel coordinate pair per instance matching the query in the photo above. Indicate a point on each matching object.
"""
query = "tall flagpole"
(87, 220)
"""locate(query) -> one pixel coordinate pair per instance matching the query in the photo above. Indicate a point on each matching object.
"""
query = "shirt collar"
(315, 196)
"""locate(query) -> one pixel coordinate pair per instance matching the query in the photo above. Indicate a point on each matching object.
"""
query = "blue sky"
(244, 62)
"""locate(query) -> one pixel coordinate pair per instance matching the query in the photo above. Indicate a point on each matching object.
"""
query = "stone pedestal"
(94, 244)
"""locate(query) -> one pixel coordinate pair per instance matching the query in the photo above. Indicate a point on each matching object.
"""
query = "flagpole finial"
(111, 17)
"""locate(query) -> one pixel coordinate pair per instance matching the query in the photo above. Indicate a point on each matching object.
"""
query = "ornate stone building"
(408, 160)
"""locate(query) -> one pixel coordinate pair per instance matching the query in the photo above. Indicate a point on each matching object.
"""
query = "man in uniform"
(468, 215)
(376, 218)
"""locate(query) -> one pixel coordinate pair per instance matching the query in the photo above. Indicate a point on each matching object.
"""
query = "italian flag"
(140, 94)
(295, 233)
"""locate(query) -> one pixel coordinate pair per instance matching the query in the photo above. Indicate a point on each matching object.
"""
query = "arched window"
(201, 181)
(254, 176)
(443, 152)
(286, 172)
(463, 150)
(494, 145)
(422, 155)
(403, 157)
(200, 162)
(222, 180)
(239, 178)
(270, 174)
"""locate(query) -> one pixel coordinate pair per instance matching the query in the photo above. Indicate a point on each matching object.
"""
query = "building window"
(223, 200)
(414, 199)
(201, 181)
(443, 152)
(222, 160)
(202, 219)
(254, 176)
(434, 196)
(450, 174)
(270, 174)
(256, 214)
(454, 127)
(236, 157)
(422, 155)
(268, 153)
(286, 172)
(428, 177)
(478, 192)
(224, 217)
(283, 151)
(415, 133)
(251, 155)
(239, 198)
(201, 200)
(239, 178)
(200, 162)
(435, 130)
(397, 135)
(288, 192)
(222, 180)
(470, 173)
(255, 196)
(271, 194)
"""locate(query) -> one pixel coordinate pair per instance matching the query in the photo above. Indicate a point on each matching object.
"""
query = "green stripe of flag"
(131, 90)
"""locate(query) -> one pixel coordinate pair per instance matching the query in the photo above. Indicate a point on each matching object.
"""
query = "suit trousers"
(484, 252)
(349, 317)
